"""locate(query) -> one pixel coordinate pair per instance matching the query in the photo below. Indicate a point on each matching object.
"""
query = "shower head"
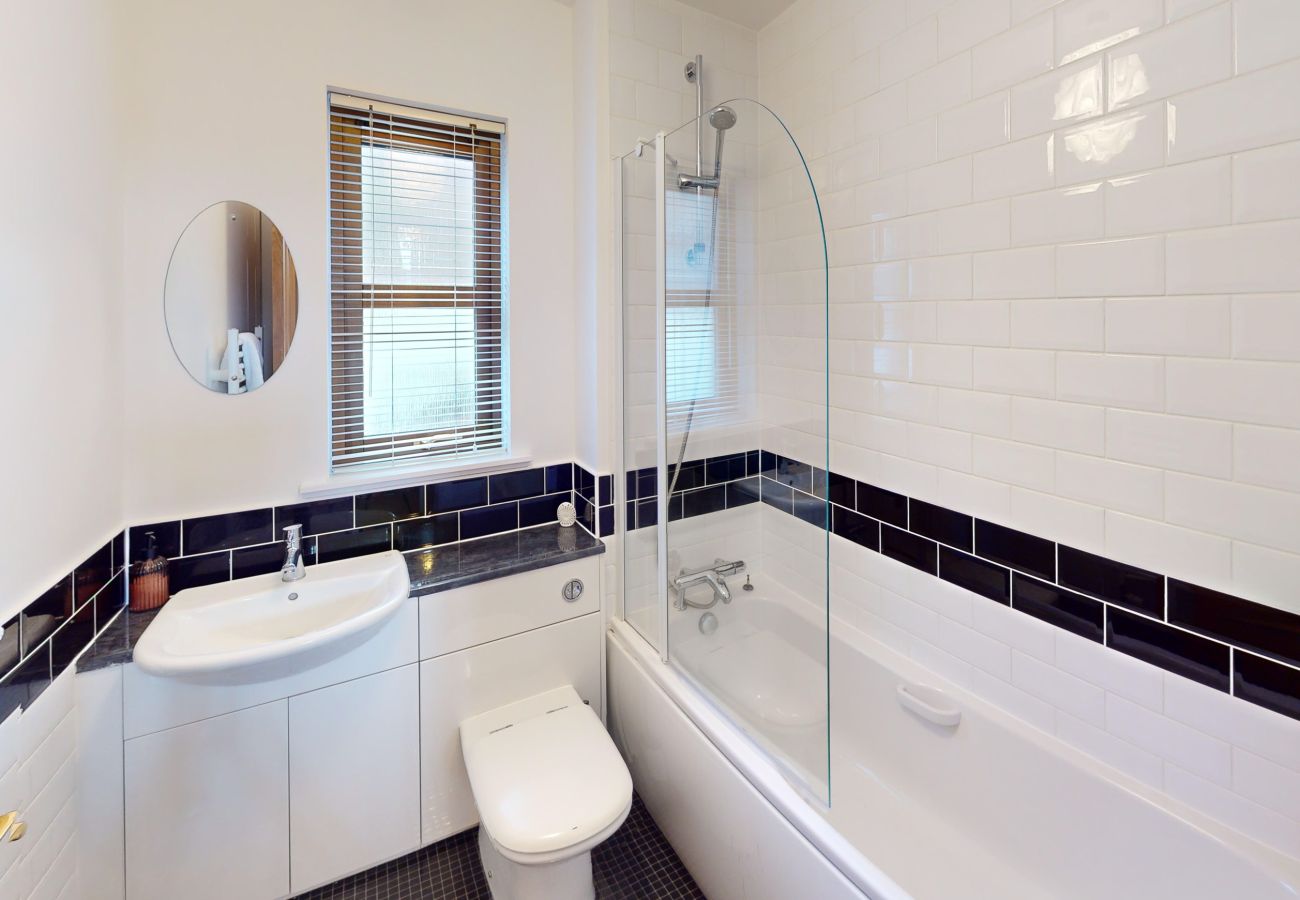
(722, 117)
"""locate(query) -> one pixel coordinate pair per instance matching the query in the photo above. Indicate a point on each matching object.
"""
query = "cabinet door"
(354, 773)
(207, 808)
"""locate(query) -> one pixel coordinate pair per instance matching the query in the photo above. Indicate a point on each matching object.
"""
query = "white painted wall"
(60, 245)
(205, 125)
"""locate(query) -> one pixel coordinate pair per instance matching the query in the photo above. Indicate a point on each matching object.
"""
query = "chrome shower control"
(572, 590)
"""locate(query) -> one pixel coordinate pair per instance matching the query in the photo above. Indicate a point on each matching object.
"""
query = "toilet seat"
(547, 779)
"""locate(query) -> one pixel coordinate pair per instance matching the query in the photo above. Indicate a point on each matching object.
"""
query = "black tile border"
(1234, 645)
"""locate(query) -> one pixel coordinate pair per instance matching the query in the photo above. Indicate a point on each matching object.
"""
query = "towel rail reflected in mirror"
(231, 298)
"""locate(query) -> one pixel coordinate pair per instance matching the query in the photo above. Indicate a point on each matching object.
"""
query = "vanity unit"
(271, 780)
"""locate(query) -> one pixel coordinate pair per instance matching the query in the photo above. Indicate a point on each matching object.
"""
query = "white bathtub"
(990, 809)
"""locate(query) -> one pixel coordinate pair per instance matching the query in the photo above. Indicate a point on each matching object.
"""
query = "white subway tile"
(1268, 32)
(1030, 272)
(1013, 56)
(1198, 753)
(1065, 426)
(658, 27)
(1086, 26)
(1123, 675)
(1161, 547)
(974, 322)
(1058, 215)
(977, 226)
(939, 88)
(1081, 525)
(1266, 576)
(1016, 168)
(941, 185)
(633, 59)
(879, 21)
(939, 278)
(1131, 382)
(965, 23)
(939, 446)
(1195, 52)
(1239, 114)
(908, 237)
(1266, 783)
(940, 364)
(1132, 489)
(974, 411)
(1266, 183)
(884, 198)
(974, 126)
(1129, 759)
(1233, 810)
(1261, 731)
(881, 113)
(850, 83)
(977, 649)
(1014, 463)
(977, 496)
(1075, 696)
(1196, 195)
(1181, 9)
(914, 50)
(1118, 144)
(1266, 456)
(1248, 513)
(1024, 634)
(1029, 373)
(908, 615)
(1013, 700)
(921, 9)
(1199, 446)
(909, 147)
(1073, 324)
(1239, 258)
(1172, 326)
(1099, 268)
(1236, 391)
(906, 321)
(1057, 98)
(888, 281)
(1023, 9)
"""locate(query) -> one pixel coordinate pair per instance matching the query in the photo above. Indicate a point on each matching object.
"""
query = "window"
(416, 274)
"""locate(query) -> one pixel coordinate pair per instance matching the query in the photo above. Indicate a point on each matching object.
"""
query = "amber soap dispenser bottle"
(149, 588)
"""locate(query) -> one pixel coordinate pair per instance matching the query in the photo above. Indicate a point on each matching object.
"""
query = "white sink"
(237, 624)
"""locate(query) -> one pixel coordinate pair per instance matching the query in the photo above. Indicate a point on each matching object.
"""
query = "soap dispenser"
(149, 579)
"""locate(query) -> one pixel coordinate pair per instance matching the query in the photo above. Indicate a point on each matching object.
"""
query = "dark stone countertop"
(437, 569)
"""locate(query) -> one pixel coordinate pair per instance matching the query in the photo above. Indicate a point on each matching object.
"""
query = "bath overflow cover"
(572, 589)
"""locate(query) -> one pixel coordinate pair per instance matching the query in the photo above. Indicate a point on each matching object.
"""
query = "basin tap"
(293, 568)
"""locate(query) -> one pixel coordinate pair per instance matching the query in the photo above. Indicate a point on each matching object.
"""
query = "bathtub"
(990, 808)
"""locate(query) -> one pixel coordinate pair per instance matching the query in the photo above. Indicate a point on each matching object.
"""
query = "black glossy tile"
(1269, 684)
(24, 684)
(507, 486)
(1170, 649)
(71, 639)
(10, 645)
(196, 571)
(742, 492)
(767, 463)
(316, 516)
(605, 489)
(842, 490)
(45, 613)
(584, 483)
(719, 469)
(119, 550)
(882, 504)
(416, 534)
(777, 495)
(704, 500)
(485, 520)
(675, 507)
(167, 536)
(449, 496)
(357, 542)
(586, 513)
(629, 521)
(646, 482)
(559, 478)
(92, 574)
(855, 527)
(260, 560)
(975, 574)
(1055, 605)
(606, 517)
(222, 532)
(811, 509)
(691, 475)
(801, 476)
(540, 510)
(1016, 549)
(914, 550)
(753, 463)
(382, 507)
(1113, 581)
(1264, 629)
(940, 524)
(647, 513)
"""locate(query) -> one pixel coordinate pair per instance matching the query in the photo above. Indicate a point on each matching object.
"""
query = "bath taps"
(715, 576)
(293, 568)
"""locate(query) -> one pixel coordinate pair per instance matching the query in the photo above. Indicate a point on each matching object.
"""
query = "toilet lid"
(544, 772)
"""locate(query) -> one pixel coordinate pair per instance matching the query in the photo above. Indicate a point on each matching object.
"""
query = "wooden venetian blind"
(416, 277)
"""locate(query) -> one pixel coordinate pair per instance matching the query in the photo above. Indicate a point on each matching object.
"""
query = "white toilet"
(549, 785)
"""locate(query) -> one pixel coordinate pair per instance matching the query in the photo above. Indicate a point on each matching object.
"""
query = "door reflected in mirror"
(231, 299)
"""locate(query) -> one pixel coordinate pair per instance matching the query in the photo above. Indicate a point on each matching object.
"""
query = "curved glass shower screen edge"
(725, 425)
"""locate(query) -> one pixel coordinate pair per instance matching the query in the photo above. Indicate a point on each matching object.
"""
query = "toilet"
(549, 785)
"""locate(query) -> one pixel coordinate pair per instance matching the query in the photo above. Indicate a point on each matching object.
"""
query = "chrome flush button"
(572, 590)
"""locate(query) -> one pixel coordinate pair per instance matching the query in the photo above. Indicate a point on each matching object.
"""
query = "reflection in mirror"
(231, 300)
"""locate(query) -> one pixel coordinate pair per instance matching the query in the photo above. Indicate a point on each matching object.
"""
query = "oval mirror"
(231, 299)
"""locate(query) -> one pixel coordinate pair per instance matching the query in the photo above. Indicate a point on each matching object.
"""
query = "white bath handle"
(928, 703)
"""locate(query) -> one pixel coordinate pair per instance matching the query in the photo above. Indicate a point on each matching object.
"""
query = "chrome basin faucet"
(293, 568)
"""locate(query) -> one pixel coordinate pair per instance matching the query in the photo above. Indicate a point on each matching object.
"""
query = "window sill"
(351, 482)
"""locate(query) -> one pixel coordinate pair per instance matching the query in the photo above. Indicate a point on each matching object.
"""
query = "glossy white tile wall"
(1069, 231)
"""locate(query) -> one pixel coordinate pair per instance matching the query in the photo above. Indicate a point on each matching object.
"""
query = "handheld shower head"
(721, 118)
